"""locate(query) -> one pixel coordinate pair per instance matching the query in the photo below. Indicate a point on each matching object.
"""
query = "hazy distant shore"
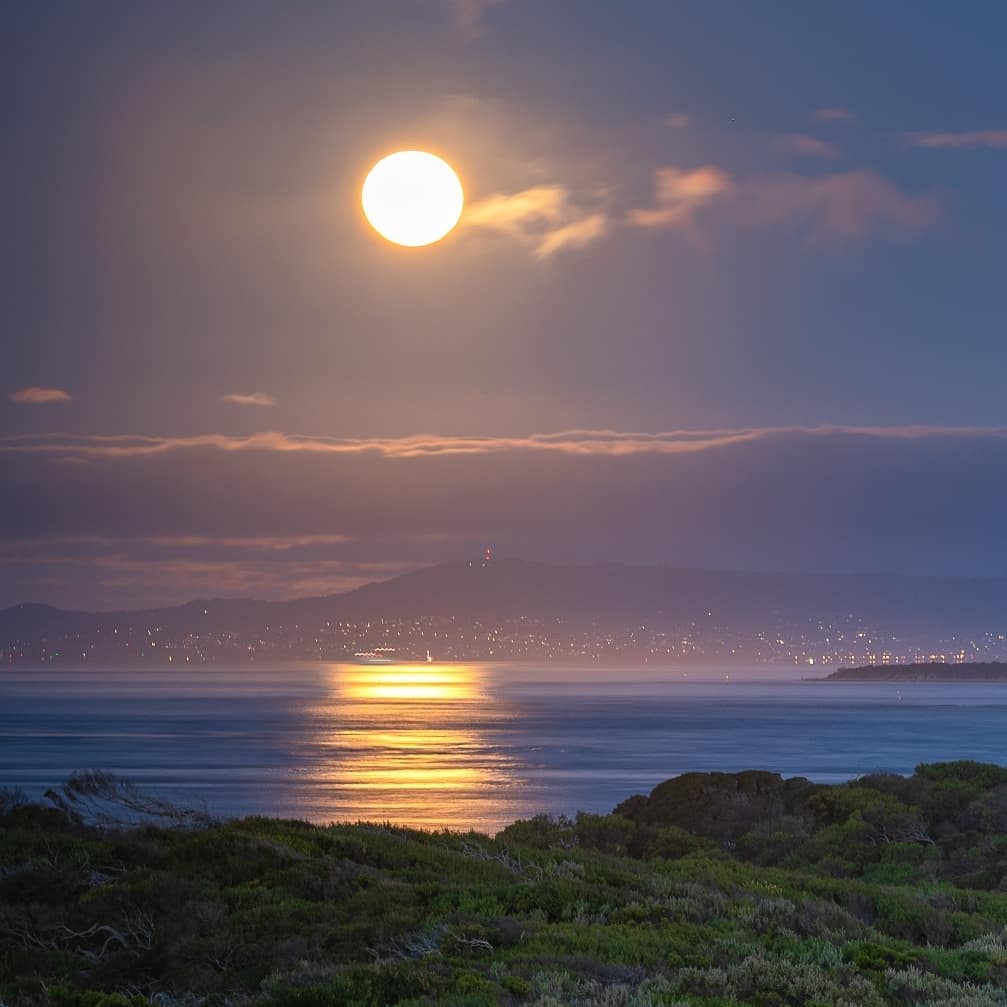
(991, 671)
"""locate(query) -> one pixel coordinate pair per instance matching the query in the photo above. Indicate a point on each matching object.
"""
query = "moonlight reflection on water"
(467, 745)
(409, 742)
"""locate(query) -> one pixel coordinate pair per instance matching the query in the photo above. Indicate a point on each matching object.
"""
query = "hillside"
(602, 593)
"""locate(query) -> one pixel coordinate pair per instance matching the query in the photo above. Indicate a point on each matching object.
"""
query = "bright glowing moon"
(412, 198)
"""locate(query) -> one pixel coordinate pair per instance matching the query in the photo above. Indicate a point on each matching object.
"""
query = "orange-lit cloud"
(681, 193)
(570, 442)
(250, 399)
(545, 218)
(576, 234)
(839, 206)
(990, 139)
(34, 395)
(677, 120)
(813, 146)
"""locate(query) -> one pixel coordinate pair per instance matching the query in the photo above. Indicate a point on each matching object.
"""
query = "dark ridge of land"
(515, 588)
(932, 671)
(715, 890)
(717, 615)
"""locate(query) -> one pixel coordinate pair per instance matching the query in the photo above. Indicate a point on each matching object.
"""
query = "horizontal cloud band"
(127, 520)
(574, 442)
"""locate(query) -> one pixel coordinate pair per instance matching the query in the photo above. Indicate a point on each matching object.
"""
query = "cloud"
(468, 15)
(34, 395)
(840, 206)
(843, 206)
(835, 113)
(545, 218)
(681, 193)
(989, 139)
(800, 143)
(283, 515)
(594, 443)
(128, 573)
(574, 235)
(677, 120)
(251, 399)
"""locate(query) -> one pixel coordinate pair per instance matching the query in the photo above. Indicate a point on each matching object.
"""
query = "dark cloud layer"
(107, 521)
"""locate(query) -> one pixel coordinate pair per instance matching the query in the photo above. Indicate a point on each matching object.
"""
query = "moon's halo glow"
(412, 198)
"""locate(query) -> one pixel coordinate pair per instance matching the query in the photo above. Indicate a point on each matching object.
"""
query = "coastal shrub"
(772, 841)
(542, 832)
(870, 956)
(12, 799)
(688, 900)
(607, 833)
(961, 966)
(891, 871)
(904, 914)
(563, 989)
(818, 952)
(992, 946)
(821, 918)
(913, 985)
(262, 912)
(980, 775)
(767, 915)
(669, 842)
(760, 980)
(63, 996)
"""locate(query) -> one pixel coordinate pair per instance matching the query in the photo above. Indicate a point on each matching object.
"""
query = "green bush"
(824, 896)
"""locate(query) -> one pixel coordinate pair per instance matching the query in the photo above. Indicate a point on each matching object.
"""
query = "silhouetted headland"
(929, 671)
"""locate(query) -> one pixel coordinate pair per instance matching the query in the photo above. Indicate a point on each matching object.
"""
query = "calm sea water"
(467, 745)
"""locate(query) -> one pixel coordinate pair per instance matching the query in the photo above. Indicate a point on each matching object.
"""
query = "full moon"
(412, 198)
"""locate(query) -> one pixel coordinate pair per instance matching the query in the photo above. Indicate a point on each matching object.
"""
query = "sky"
(728, 291)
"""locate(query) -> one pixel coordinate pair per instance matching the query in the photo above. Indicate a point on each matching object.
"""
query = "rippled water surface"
(468, 745)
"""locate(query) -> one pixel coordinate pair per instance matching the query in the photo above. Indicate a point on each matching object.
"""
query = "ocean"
(467, 745)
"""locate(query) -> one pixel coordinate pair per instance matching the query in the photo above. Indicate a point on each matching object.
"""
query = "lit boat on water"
(380, 655)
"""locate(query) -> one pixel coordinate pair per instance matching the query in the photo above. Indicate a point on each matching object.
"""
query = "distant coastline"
(932, 671)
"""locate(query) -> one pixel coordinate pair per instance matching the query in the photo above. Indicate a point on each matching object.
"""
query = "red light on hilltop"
(488, 555)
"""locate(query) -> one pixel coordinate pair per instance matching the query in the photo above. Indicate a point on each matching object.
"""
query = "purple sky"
(777, 233)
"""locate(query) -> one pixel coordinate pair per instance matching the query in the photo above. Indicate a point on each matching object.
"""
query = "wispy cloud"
(677, 120)
(839, 206)
(251, 399)
(843, 206)
(545, 218)
(468, 15)
(570, 442)
(990, 139)
(835, 113)
(83, 545)
(813, 146)
(576, 234)
(681, 193)
(35, 396)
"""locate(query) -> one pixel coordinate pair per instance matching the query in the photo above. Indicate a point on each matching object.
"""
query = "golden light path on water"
(401, 741)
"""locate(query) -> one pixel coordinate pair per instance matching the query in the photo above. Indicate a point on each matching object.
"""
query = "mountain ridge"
(516, 587)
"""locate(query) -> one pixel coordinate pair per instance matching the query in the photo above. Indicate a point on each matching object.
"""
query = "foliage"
(716, 891)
